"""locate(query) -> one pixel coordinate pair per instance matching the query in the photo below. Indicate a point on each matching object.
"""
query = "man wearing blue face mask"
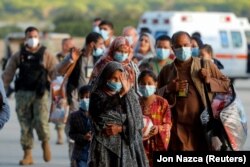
(81, 129)
(181, 83)
(107, 31)
(83, 62)
(92, 51)
(164, 55)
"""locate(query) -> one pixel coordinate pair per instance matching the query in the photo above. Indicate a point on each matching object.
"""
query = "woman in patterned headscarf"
(117, 121)
(121, 52)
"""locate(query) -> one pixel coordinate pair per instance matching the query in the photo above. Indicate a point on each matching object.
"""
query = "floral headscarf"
(118, 42)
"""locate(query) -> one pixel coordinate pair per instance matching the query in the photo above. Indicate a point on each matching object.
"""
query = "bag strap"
(70, 69)
(67, 74)
(209, 106)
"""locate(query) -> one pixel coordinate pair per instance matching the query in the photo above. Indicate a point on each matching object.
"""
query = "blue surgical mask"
(195, 52)
(120, 57)
(104, 34)
(96, 29)
(162, 53)
(114, 86)
(130, 39)
(147, 90)
(84, 104)
(98, 52)
(183, 53)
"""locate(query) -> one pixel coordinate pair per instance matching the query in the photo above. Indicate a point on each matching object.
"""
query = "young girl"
(157, 109)
(117, 121)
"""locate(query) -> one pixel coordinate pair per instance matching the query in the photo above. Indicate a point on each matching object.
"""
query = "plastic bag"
(230, 111)
(59, 109)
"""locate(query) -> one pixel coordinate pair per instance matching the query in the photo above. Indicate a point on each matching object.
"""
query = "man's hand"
(75, 53)
(173, 86)
(177, 85)
(205, 75)
(182, 85)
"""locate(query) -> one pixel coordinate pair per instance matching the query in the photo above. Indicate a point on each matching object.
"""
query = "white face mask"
(32, 42)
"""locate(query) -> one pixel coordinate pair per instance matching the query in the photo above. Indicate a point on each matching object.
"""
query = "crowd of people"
(128, 95)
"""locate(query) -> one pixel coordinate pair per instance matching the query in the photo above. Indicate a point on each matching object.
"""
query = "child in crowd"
(158, 110)
(80, 128)
(206, 52)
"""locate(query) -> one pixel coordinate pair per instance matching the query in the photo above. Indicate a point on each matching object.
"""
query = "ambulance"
(222, 30)
(246, 27)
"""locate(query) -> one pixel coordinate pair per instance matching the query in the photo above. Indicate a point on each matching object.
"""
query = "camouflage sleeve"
(10, 69)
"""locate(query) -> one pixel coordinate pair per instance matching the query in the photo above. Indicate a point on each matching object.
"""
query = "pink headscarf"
(120, 41)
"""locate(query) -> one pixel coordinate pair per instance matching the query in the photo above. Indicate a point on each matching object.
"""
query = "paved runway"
(11, 152)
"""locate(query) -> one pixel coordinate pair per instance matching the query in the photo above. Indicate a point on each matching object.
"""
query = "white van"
(219, 29)
(244, 23)
(246, 27)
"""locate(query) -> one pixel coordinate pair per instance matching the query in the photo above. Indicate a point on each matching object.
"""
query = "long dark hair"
(147, 73)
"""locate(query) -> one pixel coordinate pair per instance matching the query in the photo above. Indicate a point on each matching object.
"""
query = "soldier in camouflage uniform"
(36, 69)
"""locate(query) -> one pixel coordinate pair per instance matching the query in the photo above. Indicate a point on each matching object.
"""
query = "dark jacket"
(218, 64)
(79, 126)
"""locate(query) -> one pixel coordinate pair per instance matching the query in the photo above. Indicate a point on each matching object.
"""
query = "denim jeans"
(81, 163)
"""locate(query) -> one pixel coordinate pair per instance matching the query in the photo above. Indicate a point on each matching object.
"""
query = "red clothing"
(160, 114)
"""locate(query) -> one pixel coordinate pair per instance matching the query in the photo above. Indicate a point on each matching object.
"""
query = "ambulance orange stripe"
(241, 56)
(227, 56)
(224, 56)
